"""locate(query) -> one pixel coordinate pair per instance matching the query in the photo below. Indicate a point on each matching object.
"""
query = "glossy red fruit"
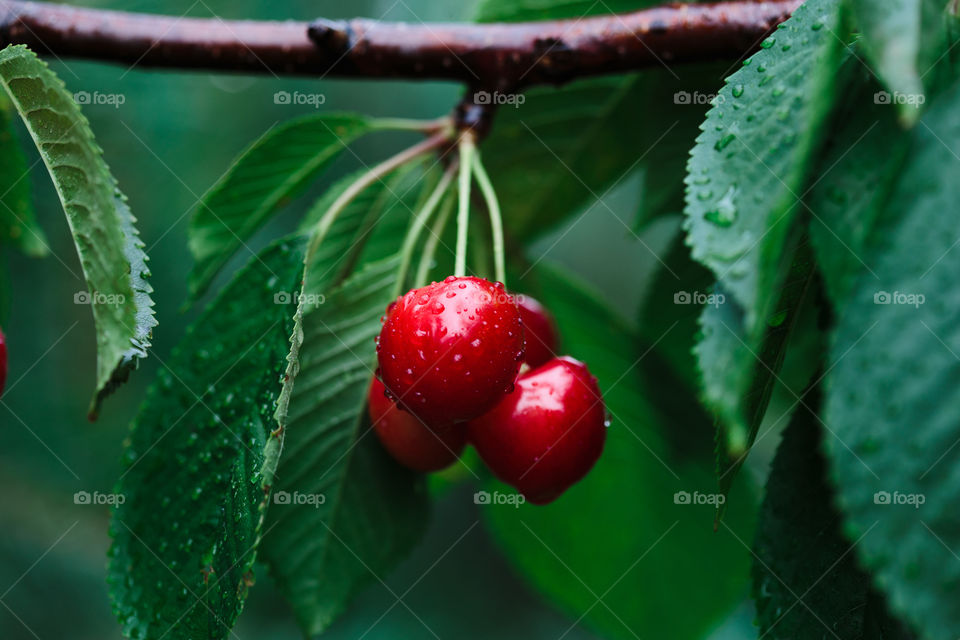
(410, 441)
(3, 361)
(547, 434)
(450, 351)
(539, 331)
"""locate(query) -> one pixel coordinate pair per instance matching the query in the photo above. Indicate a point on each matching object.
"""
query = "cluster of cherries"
(462, 361)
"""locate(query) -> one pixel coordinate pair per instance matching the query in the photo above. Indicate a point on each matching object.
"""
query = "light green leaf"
(363, 512)
(739, 371)
(193, 490)
(901, 39)
(746, 179)
(806, 581)
(266, 175)
(18, 224)
(602, 551)
(110, 249)
(894, 389)
(749, 167)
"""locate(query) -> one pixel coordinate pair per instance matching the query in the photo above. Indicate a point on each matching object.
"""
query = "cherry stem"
(418, 223)
(467, 152)
(375, 173)
(496, 221)
(407, 124)
(433, 240)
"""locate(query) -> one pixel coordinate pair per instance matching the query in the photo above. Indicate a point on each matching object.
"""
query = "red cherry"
(539, 330)
(547, 434)
(407, 439)
(448, 352)
(3, 361)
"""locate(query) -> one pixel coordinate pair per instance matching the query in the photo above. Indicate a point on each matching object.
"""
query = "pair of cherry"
(464, 361)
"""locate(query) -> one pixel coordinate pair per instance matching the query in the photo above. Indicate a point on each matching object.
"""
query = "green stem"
(433, 240)
(323, 225)
(407, 124)
(467, 150)
(496, 221)
(419, 222)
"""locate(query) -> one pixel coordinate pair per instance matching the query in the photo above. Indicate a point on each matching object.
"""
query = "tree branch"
(490, 56)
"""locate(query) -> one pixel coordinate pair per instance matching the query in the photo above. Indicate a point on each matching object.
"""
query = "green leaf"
(739, 371)
(109, 246)
(18, 224)
(747, 171)
(894, 390)
(563, 148)
(266, 175)
(669, 314)
(602, 551)
(186, 532)
(901, 39)
(860, 165)
(674, 109)
(745, 181)
(806, 581)
(363, 511)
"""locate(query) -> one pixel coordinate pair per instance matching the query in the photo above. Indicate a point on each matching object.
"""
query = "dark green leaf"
(806, 581)
(110, 249)
(266, 175)
(185, 535)
(860, 165)
(18, 224)
(670, 312)
(363, 511)
(563, 148)
(603, 551)
(894, 390)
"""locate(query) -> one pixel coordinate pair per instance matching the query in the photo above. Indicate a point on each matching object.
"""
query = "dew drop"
(724, 142)
(777, 319)
(725, 212)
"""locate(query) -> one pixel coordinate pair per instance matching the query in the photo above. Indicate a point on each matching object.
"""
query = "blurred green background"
(167, 143)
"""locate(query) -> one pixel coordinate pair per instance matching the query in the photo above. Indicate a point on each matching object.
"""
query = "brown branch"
(492, 56)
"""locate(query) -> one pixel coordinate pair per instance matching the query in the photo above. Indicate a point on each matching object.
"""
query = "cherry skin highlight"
(547, 434)
(3, 361)
(449, 351)
(539, 331)
(409, 441)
